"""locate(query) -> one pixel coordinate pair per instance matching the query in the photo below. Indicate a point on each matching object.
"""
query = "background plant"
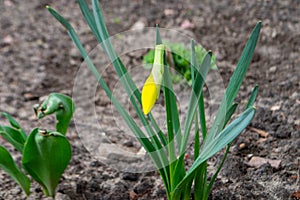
(179, 59)
(168, 157)
(45, 153)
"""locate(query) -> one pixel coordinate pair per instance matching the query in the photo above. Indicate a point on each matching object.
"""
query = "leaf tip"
(209, 52)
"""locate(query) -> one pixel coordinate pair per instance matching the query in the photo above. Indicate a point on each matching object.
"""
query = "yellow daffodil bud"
(151, 89)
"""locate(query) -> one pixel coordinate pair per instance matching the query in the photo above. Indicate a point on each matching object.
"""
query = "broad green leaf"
(62, 106)
(46, 156)
(13, 136)
(15, 124)
(8, 165)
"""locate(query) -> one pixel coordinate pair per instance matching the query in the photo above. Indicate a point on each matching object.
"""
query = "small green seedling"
(45, 153)
(181, 65)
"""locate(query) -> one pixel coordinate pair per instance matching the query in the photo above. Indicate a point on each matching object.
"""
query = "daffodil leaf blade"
(158, 37)
(210, 148)
(235, 82)
(194, 99)
(252, 97)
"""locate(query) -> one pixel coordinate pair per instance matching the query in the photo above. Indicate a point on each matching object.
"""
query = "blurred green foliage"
(181, 56)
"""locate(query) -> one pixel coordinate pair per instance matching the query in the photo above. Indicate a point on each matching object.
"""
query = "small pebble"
(273, 69)
(242, 146)
(60, 196)
(259, 161)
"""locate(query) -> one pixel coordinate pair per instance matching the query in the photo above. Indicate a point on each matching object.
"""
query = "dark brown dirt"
(37, 57)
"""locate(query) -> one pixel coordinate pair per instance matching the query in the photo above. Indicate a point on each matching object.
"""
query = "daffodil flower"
(151, 88)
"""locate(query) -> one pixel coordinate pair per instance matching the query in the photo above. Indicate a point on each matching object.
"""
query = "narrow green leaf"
(158, 38)
(235, 82)
(228, 134)
(171, 117)
(200, 175)
(62, 106)
(194, 65)
(242, 66)
(98, 27)
(213, 178)
(46, 156)
(229, 113)
(196, 139)
(9, 166)
(13, 136)
(252, 97)
(59, 17)
(201, 109)
(224, 138)
(160, 161)
(89, 18)
(193, 62)
(11, 120)
(132, 125)
(15, 124)
(200, 181)
(194, 99)
(173, 121)
(159, 132)
(100, 23)
(128, 84)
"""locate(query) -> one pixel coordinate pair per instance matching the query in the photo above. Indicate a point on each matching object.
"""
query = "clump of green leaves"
(167, 151)
(45, 153)
(181, 64)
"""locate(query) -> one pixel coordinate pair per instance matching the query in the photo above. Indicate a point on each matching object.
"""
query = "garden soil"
(37, 58)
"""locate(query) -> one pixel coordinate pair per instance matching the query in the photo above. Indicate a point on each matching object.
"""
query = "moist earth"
(37, 58)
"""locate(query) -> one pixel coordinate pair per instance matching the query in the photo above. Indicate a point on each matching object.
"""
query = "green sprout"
(45, 153)
(166, 156)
